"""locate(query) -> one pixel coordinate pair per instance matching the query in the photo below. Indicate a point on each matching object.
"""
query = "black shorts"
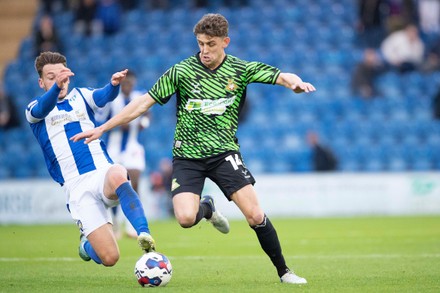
(227, 170)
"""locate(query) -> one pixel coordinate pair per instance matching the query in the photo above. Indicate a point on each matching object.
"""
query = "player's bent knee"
(186, 221)
(117, 175)
(110, 260)
(255, 219)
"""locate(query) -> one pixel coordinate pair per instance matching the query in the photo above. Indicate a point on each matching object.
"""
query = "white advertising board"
(290, 195)
(342, 194)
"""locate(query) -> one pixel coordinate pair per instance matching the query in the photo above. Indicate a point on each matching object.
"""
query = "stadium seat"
(350, 165)
(26, 50)
(315, 39)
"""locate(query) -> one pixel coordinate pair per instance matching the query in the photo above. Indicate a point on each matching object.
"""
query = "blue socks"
(133, 210)
(132, 207)
(91, 252)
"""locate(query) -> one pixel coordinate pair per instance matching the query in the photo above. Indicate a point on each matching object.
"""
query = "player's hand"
(303, 87)
(118, 77)
(89, 135)
(295, 83)
(62, 78)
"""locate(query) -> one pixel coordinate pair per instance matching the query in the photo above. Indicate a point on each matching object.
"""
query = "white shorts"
(88, 206)
(133, 157)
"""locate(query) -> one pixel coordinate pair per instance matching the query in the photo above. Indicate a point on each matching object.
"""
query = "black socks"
(271, 245)
(205, 211)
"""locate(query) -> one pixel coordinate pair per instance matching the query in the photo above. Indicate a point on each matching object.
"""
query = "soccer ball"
(153, 269)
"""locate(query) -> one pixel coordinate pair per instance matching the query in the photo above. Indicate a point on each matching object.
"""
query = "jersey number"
(234, 160)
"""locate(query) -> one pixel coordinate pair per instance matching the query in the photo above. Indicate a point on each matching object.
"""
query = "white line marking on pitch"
(341, 256)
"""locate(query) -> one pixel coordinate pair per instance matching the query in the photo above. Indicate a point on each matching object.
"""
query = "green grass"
(392, 254)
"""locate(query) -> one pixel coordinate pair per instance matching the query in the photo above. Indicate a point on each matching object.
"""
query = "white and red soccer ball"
(153, 269)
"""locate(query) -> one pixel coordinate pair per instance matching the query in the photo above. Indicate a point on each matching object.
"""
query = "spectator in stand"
(226, 3)
(85, 17)
(436, 106)
(365, 74)
(128, 5)
(398, 14)
(46, 36)
(8, 113)
(429, 17)
(403, 49)
(432, 60)
(108, 15)
(369, 27)
(323, 158)
(158, 4)
(229, 3)
(52, 6)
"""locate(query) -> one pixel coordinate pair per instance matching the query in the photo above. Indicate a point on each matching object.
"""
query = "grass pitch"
(386, 254)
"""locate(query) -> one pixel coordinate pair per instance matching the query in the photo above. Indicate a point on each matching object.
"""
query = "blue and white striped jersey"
(118, 138)
(66, 159)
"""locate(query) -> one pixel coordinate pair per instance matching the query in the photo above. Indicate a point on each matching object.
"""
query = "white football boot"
(217, 220)
(81, 251)
(290, 278)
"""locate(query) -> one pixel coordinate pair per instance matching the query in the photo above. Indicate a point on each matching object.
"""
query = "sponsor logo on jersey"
(64, 118)
(210, 107)
(61, 119)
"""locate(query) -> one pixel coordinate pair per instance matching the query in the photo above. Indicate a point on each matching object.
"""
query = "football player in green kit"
(210, 89)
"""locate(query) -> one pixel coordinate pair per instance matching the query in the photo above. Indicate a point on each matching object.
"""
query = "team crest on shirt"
(232, 86)
(196, 89)
(80, 115)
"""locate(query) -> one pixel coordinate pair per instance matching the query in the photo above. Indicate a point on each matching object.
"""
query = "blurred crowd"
(8, 112)
(396, 35)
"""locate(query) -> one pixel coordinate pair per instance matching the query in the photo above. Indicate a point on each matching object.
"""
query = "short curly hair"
(213, 25)
(48, 58)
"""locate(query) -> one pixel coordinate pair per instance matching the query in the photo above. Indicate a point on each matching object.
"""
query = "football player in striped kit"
(210, 89)
(92, 182)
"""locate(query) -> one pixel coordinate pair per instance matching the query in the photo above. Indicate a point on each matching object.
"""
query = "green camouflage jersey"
(209, 102)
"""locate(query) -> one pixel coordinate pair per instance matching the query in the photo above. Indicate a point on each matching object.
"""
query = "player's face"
(212, 50)
(48, 78)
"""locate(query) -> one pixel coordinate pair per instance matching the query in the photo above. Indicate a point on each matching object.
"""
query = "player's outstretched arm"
(118, 77)
(295, 83)
(134, 109)
(108, 93)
